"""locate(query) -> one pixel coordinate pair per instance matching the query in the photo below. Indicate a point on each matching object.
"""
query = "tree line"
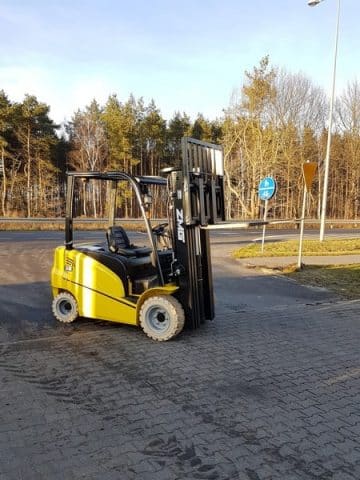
(274, 123)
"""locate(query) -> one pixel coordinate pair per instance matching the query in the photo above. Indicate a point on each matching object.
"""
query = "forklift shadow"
(25, 313)
(25, 310)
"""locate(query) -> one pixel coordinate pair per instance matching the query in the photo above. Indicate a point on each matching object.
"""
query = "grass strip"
(289, 248)
(343, 280)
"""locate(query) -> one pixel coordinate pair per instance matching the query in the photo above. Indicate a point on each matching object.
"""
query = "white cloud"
(84, 89)
(67, 92)
(18, 80)
(64, 96)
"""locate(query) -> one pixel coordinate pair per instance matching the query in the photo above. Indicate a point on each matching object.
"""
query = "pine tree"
(178, 127)
(35, 134)
(6, 127)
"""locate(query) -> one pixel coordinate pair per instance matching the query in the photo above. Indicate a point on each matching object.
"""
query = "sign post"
(264, 226)
(309, 169)
(267, 189)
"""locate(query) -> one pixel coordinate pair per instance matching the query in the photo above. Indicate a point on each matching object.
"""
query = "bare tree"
(348, 113)
(89, 147)
(298, 102)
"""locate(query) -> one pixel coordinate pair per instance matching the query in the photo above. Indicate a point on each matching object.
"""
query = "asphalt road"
(26, 258)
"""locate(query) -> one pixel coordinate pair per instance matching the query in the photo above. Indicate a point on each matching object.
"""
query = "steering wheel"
(159, 229)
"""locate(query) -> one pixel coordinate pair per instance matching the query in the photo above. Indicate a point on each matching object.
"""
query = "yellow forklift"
(161, 287)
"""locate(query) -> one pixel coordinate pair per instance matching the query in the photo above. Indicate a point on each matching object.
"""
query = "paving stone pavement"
(250, 396)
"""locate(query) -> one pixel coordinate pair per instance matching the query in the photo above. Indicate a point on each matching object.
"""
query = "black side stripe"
(104, 294)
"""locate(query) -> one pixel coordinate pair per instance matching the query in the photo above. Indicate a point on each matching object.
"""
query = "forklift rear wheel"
(64, 307)
(162, 317)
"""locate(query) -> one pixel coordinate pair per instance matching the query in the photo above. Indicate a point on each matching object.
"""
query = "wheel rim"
(158, 319)
(65, 307)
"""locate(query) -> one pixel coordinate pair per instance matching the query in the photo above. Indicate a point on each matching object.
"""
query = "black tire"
(162, 317)
(65, 308)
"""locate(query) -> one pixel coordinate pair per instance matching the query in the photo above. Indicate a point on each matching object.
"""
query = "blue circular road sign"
(267, 188)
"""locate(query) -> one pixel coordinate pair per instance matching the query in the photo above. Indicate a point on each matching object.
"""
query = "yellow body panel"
(98, 291)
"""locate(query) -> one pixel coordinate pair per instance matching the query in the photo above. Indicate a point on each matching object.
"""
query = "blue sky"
(187, 55)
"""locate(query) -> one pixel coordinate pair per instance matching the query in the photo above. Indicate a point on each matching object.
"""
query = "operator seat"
(118, 242)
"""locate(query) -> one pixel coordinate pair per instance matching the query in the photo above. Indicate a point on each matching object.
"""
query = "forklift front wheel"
(162, 317)
(64, 307)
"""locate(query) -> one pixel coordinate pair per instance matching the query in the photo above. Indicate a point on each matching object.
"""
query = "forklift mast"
(196, 192)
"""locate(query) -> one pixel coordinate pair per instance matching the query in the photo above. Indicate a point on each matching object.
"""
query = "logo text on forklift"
(179, 225)
(69, 264)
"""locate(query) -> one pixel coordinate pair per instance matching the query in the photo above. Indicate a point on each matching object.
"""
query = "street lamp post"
(313, 3)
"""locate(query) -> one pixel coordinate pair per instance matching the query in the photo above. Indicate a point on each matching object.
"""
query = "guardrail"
(76, 220)
(140, 220)
(329, 222)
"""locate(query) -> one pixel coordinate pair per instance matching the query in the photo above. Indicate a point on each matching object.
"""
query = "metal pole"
(264, 227)
(299, 263)
(328, 146)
